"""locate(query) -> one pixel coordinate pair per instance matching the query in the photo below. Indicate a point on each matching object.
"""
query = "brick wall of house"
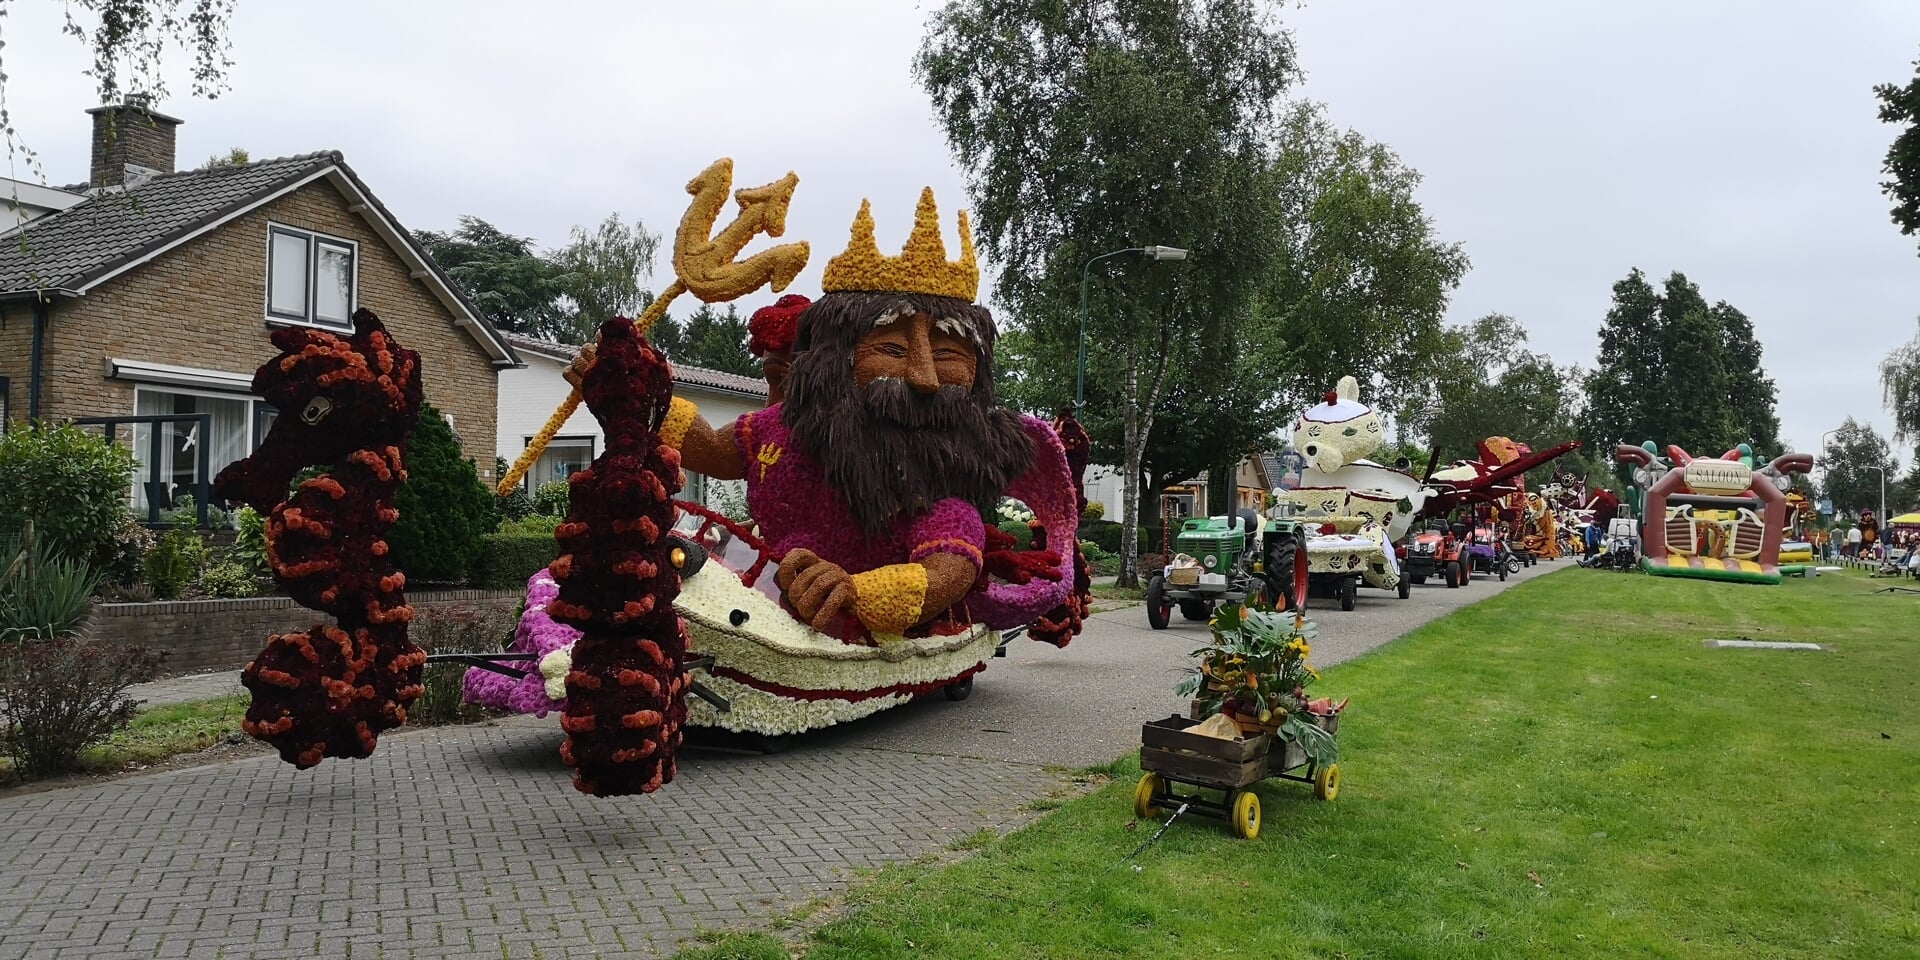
(204, 305)
(16, 351)
(225, 634)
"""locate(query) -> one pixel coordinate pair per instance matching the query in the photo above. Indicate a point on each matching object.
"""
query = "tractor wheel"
(1158, 606)
(1452, 572)
(1406, 588)
(1348, 592)
(1502, 564)
(1195, 609)
(958, 691)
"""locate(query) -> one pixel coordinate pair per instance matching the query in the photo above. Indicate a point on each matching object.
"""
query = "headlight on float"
(1208, 562)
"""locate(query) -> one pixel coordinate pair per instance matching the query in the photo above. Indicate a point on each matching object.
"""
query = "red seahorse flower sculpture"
(347, 403)
(626, 692)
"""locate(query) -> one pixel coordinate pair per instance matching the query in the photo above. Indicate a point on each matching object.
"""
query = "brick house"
(529, 395)
(151, 292)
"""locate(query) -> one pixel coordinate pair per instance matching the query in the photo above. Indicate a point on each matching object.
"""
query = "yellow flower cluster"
(890, 599)
(680, 415)
(922, 267)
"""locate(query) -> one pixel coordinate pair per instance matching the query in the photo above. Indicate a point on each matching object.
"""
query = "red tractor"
(1437, 550)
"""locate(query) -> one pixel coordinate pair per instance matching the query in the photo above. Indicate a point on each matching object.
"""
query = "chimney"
(131, 142)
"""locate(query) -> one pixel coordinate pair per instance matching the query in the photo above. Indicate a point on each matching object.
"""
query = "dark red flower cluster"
(626, 692)
(1061, 624)
(349, 403)
(771, 328)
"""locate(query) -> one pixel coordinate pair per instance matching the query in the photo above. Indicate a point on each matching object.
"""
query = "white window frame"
(593, 452)
(252, 428)
(314, 240)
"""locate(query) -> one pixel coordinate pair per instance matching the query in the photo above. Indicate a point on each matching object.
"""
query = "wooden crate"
(1169, 750)
(1282, 754)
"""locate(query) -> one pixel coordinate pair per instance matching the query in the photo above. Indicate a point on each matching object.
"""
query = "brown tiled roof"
(682, 372)
(66, 249)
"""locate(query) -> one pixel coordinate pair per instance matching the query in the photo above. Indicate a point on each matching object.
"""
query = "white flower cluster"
(1011, 510)
(756, 711)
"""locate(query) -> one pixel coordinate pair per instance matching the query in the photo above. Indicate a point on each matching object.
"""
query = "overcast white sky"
(1562, 142)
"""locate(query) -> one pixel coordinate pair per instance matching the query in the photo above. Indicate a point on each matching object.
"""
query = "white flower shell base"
(770, 649)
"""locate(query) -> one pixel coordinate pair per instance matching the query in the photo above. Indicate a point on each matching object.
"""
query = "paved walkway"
(469, 841)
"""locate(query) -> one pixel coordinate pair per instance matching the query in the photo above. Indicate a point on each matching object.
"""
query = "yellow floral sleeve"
(680, 414)
(890, 599)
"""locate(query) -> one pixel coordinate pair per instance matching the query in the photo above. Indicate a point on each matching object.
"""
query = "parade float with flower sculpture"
(866, 576)
(349, 403)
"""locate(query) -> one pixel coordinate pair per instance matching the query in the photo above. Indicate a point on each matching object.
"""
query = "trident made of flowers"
(704, 265)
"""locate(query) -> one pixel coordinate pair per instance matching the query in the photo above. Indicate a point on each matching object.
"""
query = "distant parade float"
(1714, 518)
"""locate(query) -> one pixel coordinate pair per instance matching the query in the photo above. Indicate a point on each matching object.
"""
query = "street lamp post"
(1080, 367)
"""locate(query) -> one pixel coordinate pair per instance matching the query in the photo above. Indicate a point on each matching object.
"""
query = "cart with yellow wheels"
(1173, 756)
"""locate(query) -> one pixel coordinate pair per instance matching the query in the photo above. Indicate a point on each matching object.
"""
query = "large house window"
(311, 277)
(233, 435)
(563, 457)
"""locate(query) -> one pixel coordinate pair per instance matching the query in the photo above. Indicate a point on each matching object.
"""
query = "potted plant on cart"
(1255, 672)
(1252, 719)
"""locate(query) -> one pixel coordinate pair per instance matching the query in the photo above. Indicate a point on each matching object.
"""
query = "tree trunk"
(1130, 482)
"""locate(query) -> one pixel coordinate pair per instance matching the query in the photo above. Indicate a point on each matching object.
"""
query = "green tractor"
(1224, 568)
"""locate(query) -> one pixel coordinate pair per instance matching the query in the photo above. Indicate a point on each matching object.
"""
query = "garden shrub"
(443, 629)
(551, 498)
(507, 560)
(58, 697)
(123, 559)
(42, 596)
(72, 483)
(1021, 533)
(228, 580)
(184, 513)
(444, 509)
(1107, 533)
(1094, 511)
(176, 561)
(250, 543)
(515, 505)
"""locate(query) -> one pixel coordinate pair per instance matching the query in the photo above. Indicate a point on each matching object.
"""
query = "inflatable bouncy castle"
(1715, 518)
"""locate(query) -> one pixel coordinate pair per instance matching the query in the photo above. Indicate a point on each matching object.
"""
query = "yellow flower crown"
(922, 267)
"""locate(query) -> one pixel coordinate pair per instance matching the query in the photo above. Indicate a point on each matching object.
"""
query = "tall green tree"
(1676, 371)
(563, 295)
(129, 41)
(1848, 473)
(1362, 281)
(1630, 368)
(1750, 392)
(713, 339)
(1104, 125)
(1900, 104)
(505, 277)
(1492, 386)
(603, 272)
(1900, 381)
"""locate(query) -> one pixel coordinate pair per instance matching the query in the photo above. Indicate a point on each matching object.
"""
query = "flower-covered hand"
(817, 588)
(582, 362)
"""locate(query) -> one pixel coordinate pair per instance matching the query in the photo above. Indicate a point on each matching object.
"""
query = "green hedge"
(1107, 534)
(507, 560)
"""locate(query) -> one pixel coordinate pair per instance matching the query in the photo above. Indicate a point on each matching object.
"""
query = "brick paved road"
(483, 848)
(466, 842)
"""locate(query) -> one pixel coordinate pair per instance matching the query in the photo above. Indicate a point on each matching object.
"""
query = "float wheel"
(1244, 813)
(1326, 782)
(1145, 793)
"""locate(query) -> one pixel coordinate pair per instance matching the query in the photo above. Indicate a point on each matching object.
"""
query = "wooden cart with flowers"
(1250, 720)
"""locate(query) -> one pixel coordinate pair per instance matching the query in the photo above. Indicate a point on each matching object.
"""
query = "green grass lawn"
(161, 732)
(1561, 771)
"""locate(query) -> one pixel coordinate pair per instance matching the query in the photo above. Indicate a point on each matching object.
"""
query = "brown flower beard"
(891, 452)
